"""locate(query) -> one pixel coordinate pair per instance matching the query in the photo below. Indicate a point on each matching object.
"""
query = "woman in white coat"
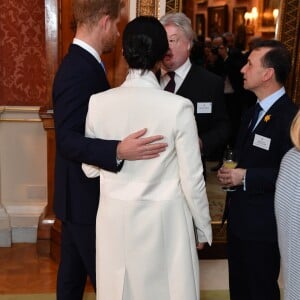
(146, 246)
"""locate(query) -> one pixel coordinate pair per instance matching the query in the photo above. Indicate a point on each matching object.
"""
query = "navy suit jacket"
(76, 197)
(251, 212)
(201, 85)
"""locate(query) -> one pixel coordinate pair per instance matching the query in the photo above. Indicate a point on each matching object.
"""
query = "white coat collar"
(135, 78)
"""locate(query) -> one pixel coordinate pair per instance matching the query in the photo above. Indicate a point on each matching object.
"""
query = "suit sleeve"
(71, 93)
(191, 172)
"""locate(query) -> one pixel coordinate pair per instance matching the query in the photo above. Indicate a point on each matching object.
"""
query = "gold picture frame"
(217, 20)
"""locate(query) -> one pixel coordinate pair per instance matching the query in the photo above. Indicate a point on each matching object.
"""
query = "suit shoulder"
(285, 111)
(168, 99)
(288, 105)
(174, 98)
(205, 73)
(106, 95)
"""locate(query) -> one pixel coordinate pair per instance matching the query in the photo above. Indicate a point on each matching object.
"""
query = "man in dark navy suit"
(263, 139)
(230, 63)
(76, 197)
(203, 88)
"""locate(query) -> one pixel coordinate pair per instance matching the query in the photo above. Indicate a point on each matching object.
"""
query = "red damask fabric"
(23, 74)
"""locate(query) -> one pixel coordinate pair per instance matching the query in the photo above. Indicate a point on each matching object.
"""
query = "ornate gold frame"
(153, 7)
(148, 7)
(288, 31)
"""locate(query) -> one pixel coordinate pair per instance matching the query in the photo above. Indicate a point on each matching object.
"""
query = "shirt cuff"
(244, 181)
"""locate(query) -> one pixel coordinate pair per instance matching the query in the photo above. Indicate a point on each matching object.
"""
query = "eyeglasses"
(173, 40)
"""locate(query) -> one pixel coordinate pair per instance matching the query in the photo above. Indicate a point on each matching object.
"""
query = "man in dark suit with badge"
(203, 88)
(263, 139)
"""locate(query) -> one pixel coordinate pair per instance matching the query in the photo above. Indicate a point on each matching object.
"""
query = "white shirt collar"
(183, 69)
(270, 100)
(136, 78)
(88, 48)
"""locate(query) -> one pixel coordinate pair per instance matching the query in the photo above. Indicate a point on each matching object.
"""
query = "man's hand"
(231, 177)
(134, 147)
(200, 246)
(200, 144)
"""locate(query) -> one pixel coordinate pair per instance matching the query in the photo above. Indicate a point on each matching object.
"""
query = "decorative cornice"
(19, 114)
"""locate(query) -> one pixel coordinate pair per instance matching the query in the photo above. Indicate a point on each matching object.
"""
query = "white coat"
(145, 245)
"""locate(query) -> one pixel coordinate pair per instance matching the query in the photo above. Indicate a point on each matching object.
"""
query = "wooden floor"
(24, 271)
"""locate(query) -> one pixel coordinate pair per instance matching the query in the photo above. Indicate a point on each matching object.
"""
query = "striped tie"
(170, 87)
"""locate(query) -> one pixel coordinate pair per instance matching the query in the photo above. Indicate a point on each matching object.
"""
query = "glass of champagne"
(230, 162)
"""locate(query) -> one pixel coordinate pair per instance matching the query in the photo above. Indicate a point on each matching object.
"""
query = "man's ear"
(104, 22)
(269, 73)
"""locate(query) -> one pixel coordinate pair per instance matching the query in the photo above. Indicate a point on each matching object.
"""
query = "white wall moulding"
(23, 173)
(19, 114)
(5, 229)
(24, 219)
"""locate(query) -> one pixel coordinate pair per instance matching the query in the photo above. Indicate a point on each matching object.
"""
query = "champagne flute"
(229, 162)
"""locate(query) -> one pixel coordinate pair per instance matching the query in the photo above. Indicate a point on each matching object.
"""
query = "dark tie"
(170, 87)
(256, 112)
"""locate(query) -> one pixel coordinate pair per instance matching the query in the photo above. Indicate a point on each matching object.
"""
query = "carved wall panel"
(173, 6)
(289, 33)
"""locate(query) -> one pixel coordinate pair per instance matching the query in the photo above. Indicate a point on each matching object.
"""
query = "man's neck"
(267, 91)
(90, 37)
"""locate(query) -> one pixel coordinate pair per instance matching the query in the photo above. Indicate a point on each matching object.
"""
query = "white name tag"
(204, 107)
(262, 142)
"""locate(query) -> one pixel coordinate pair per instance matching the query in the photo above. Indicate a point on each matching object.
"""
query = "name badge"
(204, 107)
(262, 142)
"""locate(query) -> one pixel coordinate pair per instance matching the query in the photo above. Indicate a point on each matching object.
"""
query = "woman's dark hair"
(144, 42)
(277, 58)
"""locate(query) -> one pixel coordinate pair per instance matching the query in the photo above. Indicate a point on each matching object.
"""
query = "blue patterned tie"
(170, 87)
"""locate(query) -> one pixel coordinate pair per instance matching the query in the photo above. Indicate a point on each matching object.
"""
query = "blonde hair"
(295, 131)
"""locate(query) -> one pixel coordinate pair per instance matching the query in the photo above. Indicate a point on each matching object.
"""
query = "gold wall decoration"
(288, 32)
(173, 6)
(154, 7)
(148, 8)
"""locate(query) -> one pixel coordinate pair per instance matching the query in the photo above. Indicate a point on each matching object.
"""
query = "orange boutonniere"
(267, 118)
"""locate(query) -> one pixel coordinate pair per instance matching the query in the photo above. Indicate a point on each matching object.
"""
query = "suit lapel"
(187, 80)
(273, 113)
(244, 136)
(263, 125)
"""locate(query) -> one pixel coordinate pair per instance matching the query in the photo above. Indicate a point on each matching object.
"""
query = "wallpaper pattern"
(22, 53)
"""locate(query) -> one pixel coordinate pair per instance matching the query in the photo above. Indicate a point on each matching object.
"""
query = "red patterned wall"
(22, 53)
